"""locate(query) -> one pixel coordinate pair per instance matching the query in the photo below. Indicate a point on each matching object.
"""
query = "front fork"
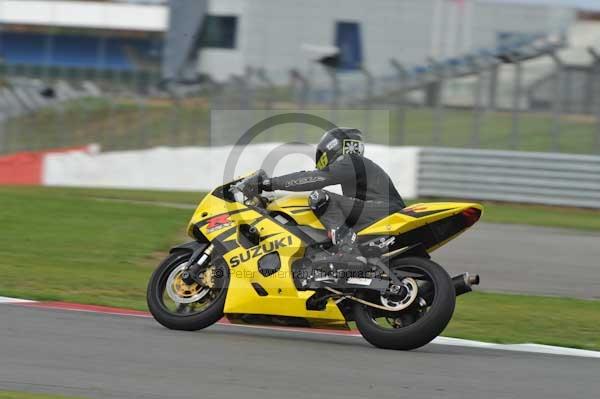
(197, 260)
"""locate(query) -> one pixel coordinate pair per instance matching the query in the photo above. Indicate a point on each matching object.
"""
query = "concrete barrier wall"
(27, 168)
(541, 178)
(202, 169)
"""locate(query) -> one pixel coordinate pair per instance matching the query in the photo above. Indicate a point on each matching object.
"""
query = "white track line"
(445, 341)
(528, 348)
(5, 299)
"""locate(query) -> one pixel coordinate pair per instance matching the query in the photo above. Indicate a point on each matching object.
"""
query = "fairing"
(218, 219)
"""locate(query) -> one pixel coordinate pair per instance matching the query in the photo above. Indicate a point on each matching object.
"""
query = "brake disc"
(412, 290)
(180, 292)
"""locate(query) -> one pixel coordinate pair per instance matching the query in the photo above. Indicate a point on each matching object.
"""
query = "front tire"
(422, 325)
(185, 316)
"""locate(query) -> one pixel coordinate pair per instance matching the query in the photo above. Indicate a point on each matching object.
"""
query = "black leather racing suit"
(368, 191)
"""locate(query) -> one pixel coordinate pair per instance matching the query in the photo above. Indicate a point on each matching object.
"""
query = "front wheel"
(419, 324)
(179, 306)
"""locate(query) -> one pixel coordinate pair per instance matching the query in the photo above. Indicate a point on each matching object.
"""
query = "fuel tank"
(296, 207)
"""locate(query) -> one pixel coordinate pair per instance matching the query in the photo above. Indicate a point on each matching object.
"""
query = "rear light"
(471, 216)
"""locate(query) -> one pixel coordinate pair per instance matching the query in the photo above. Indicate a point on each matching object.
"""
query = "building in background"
(275, 35)
(77, 35)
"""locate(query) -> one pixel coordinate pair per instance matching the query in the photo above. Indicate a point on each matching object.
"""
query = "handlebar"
(250, 198)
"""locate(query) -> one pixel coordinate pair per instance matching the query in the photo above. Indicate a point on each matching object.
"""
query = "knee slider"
(318, 200)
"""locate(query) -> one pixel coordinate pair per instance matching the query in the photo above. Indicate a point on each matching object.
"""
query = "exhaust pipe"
(463, 282)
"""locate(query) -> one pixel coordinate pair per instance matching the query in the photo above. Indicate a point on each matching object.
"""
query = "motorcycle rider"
(368, 191)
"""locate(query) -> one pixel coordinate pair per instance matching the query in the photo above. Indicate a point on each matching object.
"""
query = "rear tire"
(424, 329)
(186, 322)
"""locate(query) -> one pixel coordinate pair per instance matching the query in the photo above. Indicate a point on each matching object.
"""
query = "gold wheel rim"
(182, 293)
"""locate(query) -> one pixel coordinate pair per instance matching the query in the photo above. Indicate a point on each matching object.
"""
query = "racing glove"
(254, 185)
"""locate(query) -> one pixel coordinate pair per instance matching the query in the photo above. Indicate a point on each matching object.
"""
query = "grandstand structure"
(75, 35)
(76, 49)
(56, 51)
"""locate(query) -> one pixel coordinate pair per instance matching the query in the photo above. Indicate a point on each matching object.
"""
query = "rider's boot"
(344, 255)
(345, 245)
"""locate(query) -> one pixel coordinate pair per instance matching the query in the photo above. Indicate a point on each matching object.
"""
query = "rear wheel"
(179, 306)
(428, 315)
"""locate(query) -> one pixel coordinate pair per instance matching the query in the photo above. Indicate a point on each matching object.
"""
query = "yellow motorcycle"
(258, 260)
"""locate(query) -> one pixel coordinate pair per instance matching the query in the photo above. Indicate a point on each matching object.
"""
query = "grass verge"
(507, 318)
(63, 244)
(55, 245)
(495, 212)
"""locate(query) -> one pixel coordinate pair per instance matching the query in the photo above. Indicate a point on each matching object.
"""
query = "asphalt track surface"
(525, 259)
(106, 356)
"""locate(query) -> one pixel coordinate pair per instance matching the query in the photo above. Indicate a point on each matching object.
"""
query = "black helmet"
(337, 142)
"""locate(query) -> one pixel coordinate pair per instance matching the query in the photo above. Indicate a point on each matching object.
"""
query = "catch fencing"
(520, 106)
(544, 178)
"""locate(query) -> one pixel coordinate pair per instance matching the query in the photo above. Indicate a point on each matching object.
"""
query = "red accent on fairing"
(218, 221)
(471, 216)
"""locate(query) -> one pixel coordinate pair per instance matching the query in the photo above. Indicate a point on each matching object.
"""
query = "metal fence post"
(597, 106)
(8, 129)
(515, 132)
(557, 103)
(335, 92)
(246, 91)
(438, 102)
(261, 74)
(368, 97)
(402, 87)
(215, 102)
(587, 106)
(268, 93)
(61, 114)
(175, 138)
(301, 95)
(493, 88)
(475, 140)
(138, 92)
(596, 96)
(217, 99)
(3, 147)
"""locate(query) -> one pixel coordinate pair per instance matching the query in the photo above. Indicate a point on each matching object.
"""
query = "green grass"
(495, 212)
(63, 244)
(520, 318)
(64, 247)
(28, 395)
(175, 197)
(126, 123)
(539, 215)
